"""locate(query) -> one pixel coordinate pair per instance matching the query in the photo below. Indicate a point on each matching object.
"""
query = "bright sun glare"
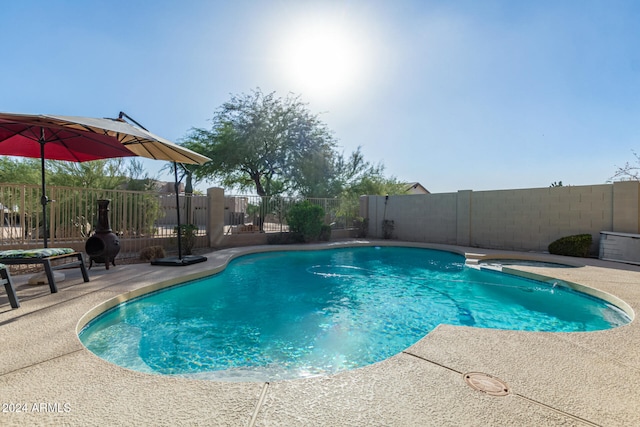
(322, 60)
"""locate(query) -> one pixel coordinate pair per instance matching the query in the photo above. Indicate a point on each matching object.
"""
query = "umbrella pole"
(43, 198)
(42, 278)
(189, 259)
(172, 261)
(177, 188)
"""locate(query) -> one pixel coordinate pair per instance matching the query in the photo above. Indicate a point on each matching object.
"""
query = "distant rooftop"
(416, 188)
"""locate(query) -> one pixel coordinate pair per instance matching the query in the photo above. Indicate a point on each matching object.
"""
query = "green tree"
(263, 142)
(19, 171)
(277, 146)
(109, 174)
(317, 175)
(95, 174)
(358, 177)
(136, 177)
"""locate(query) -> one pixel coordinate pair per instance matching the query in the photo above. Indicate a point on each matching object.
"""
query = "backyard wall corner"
(626, 205)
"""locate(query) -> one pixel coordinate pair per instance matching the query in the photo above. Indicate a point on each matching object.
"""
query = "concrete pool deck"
(571, 379)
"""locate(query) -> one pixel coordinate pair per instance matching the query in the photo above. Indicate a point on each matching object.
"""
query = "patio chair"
(45, 257)
(5, 279)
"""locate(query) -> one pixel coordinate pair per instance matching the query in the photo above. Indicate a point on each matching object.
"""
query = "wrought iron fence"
(142, 219)
(139, 218)
(269, 214)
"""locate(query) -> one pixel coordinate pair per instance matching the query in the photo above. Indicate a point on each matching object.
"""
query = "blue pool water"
(282, 315)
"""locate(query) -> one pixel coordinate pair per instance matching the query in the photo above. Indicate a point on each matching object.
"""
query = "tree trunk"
(259, 187)
(262, 193)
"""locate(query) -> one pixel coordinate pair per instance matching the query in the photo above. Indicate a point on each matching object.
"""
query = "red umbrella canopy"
(22, 137)
(137, 140)
(46, 137)
(81, 139)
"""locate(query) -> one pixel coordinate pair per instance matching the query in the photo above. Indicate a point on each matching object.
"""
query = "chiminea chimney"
(104, 245)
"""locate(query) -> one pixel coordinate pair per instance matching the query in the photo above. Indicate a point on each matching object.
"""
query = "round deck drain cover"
(486, 383)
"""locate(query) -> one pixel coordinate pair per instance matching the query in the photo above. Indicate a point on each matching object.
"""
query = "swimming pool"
(283, 315)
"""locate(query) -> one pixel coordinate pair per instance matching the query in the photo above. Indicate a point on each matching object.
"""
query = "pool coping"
(553, 378)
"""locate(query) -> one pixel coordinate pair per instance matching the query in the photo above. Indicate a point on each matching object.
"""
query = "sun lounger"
(45, 257)
(5, 279)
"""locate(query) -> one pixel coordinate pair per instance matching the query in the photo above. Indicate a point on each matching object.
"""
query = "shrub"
(188, 237)
(387, 228)
(305, 219)
(152, 252)
(325, 233)
(362, 225)
(284, 238)
(577, 245)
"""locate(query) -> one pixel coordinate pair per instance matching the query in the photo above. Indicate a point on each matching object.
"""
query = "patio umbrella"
(55, 138)
(152, 146)
(135, 138)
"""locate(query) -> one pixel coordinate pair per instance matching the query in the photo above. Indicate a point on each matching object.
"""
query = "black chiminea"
(104, 245)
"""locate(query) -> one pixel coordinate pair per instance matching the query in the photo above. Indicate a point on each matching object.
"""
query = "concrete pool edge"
(594, 292)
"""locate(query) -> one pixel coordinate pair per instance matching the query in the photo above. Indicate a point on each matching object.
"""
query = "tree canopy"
(261, 141)
(19, 171)
(277, 146)
(105, 174)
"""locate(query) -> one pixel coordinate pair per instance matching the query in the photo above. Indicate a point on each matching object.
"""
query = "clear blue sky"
(457, 95)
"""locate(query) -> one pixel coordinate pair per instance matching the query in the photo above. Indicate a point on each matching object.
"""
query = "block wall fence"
(523, 219)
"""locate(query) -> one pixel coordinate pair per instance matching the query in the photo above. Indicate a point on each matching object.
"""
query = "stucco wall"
(525, 219)
(417, 217)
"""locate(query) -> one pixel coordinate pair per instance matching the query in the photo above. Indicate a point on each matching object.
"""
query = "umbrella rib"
(101, 131)
(56, 132)
(142, 144)
(166, 151)
(30, 135)
(96, 130)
